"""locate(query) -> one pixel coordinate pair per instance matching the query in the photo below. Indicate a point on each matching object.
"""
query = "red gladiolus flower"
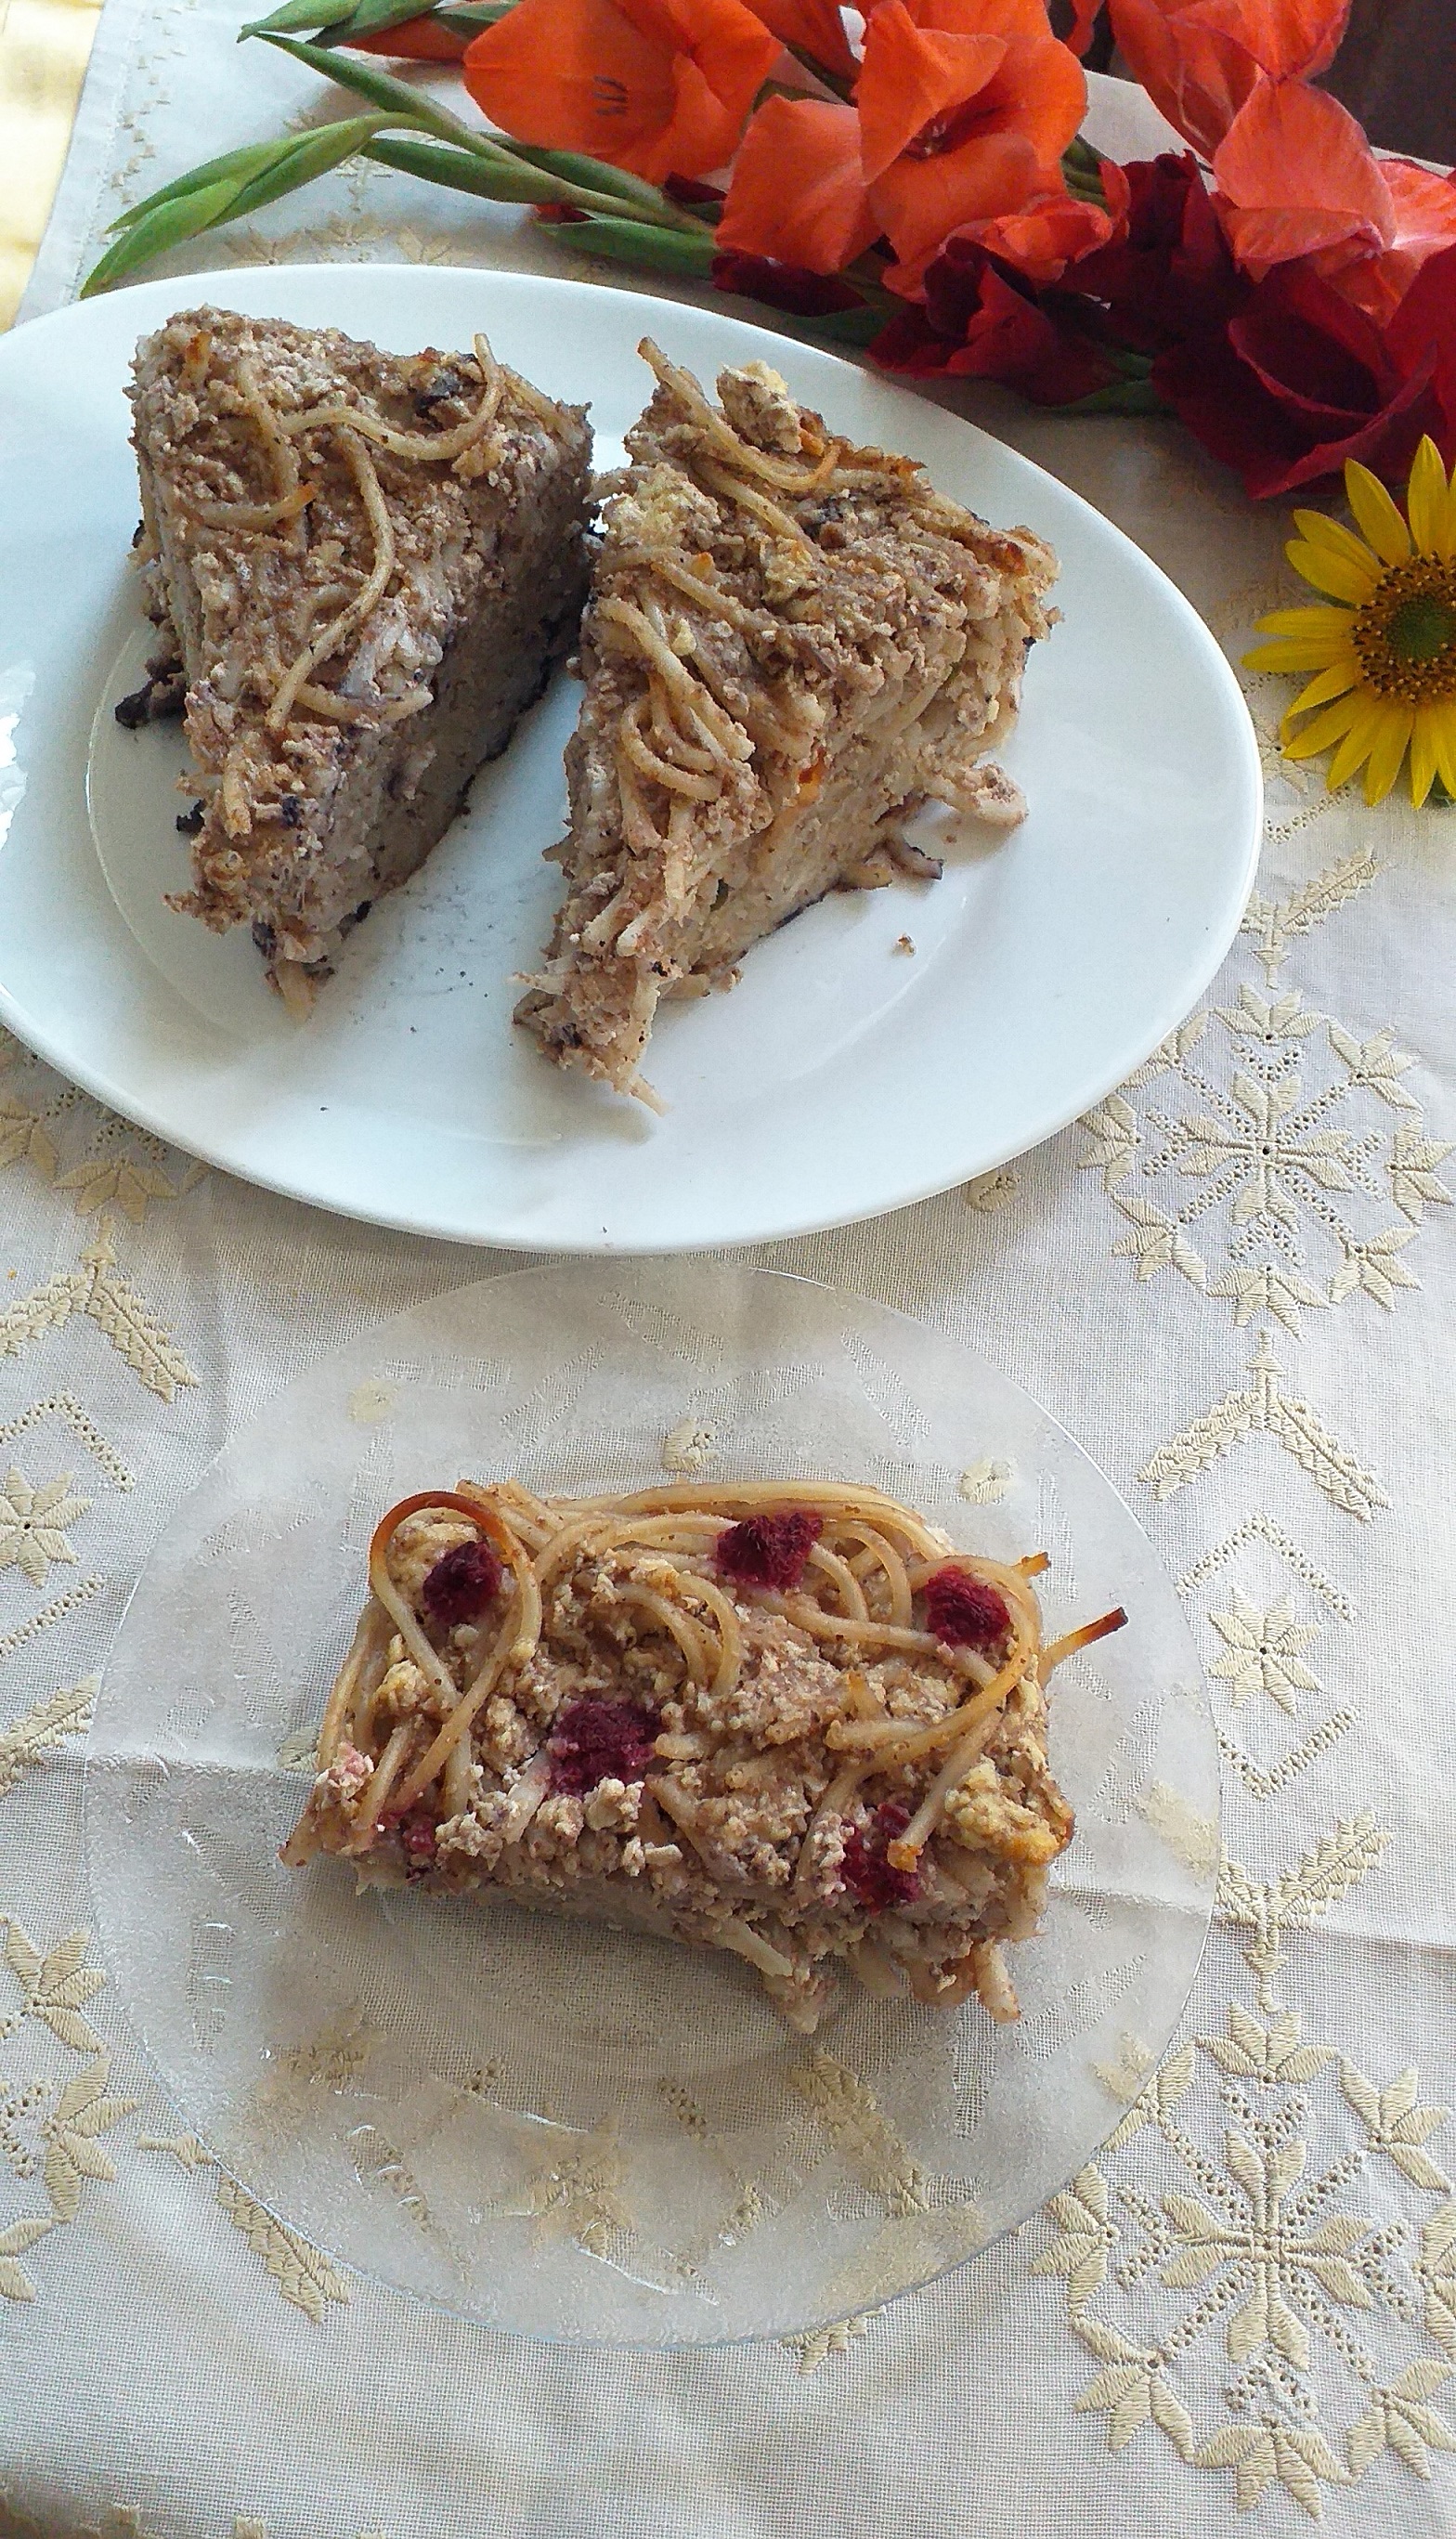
(1199, 61)
(1169, 274)
(1297, 179)
(980, 322)
(660, 87)
(1300, 380)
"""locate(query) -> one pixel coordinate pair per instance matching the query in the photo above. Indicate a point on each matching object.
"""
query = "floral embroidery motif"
(817, 2344)
(32, 1523)
(1270, 1155)
(44, 1725)
(1275, 924)
(65, 2116)
(304, 2275)
(1265, 1407)
(983, 1484)
(97, 1288)
(1262, 1652)
(1277, 2260)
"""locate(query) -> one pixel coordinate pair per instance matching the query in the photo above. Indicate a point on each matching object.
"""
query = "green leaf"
(639, 242)
(159, 227)
(470, 21)
(497, 181)
(394, 97)
(314, 155)
(242, 163)
(227, 190)
(305, 13)
(1120, 396)
(598, 178)
(499, 178)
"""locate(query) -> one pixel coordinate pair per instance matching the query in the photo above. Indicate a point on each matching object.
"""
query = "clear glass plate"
(565, 2131)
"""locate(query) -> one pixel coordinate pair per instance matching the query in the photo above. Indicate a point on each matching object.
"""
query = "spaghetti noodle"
(779, 1718)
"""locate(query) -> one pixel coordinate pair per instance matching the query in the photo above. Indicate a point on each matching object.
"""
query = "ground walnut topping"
(772, 1719)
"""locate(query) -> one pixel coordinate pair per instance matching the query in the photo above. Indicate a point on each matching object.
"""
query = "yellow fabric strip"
(44, 47)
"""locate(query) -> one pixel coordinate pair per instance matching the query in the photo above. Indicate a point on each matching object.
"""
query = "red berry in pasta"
(598, 1740)
(965, 1612)
(769, 1551)
(866, 1872)
(460, 1586)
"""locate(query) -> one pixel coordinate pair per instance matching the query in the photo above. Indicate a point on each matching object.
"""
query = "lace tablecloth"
(1233, 1283)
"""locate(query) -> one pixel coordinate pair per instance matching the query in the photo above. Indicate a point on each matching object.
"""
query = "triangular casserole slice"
(364, 564)
(791, 644)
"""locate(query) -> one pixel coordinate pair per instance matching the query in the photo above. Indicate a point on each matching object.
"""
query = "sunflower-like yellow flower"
(1385, 653)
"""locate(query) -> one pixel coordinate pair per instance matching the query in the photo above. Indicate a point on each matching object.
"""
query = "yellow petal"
(1337, 574)
(1337, 681)
(1354, 749)
(1377, 513)
(1314, 653)
(1423, 749)
(1336, 538)
(1331, 725)
(1389, 751)
(1304, 621)
(1443, 726)
(1427, 500)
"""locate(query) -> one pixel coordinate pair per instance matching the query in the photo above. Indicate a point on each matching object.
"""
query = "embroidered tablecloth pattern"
(1233, 1283)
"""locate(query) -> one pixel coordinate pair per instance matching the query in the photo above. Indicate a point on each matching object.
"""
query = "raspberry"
(461, 1584)
(769, 1551)
(597, 1741)
(964, 1611)
(867, 1873)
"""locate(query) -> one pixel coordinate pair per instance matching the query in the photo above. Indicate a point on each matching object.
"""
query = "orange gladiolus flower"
(962, 111)
(660, 87)
(1296, 176)
(965, 109)
(797, 190)
(1199, 61)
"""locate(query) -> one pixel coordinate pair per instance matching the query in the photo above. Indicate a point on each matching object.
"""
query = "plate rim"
(778, 1223)
(830, 1292)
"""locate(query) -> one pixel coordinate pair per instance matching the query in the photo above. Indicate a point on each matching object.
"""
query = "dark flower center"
(1404, 633)
(948, 132)
(1421, 628)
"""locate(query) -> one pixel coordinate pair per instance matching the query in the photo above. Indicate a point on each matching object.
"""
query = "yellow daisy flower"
(1385, 653)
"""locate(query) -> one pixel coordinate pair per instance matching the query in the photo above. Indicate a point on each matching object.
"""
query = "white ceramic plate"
(573, 2132)
(840, 1078)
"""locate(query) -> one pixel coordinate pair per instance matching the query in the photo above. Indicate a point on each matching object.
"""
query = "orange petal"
(823, 219)
(1295, 175)
(911, 76)
(811, 27)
